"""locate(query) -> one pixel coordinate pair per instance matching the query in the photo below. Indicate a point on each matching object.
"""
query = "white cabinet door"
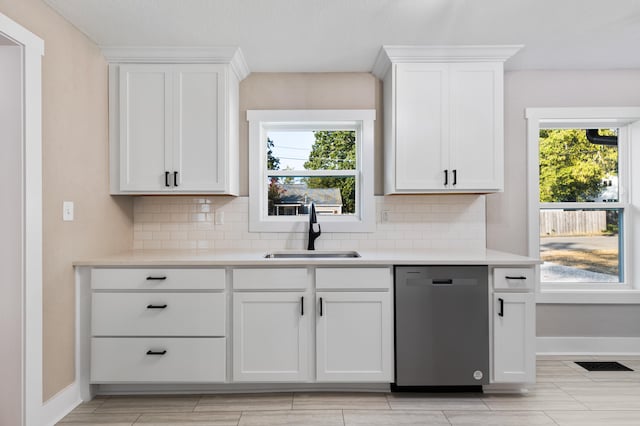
(353, 337)
(271, 337)
(513, 338)
(198, 150)
(476, 157)
(421, 123)
(145, 127)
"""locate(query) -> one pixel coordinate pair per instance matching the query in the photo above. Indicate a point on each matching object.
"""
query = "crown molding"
(179, 55)
(406, 54)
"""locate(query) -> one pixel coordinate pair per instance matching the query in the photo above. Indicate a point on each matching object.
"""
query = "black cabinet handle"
(321, 306)
(156, 278)
(447, 281)
(157, 352)
(455, 177)
(515, 278)
(156, 306)
(446, 177)
(166, 178)
(175, 178)
(501, 311)
(302, 306)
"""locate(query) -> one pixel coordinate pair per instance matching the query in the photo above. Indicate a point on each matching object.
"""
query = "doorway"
(11, 229)
(20, 225)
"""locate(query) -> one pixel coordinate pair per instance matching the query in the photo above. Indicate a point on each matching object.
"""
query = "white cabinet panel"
(476, 143)
(157, 360)
(421, 125)
(513, 338)
(198, 157)
(161, 279)
(354, 279)
(270, 337)
(145, 126)
(158, 314)
(271, 279)
(353, 337)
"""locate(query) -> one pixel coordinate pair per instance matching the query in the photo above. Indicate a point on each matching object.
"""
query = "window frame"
(362, 121)
(627, 120)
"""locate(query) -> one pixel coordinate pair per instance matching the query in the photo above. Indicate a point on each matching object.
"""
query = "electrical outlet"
(219, 218)
(385, 216)
(67, 211)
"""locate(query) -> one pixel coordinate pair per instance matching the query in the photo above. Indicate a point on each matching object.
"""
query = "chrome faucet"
(313, 234)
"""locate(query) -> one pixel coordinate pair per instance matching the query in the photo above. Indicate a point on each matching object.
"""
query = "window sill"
(589, 297)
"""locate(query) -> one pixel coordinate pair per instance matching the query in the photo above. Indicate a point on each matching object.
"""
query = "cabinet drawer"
(513, 278)
(126, 360)
(271, 279)
(157, 279)
(158, 314)
(353, 278)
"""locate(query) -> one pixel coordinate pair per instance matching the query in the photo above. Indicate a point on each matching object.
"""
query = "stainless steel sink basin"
(312, 254)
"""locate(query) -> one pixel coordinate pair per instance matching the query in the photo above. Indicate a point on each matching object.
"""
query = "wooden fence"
(572, 222)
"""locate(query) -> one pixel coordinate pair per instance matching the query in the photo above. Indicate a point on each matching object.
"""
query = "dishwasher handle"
(440, 281)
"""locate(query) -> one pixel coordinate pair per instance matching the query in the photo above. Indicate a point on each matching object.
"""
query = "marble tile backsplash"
(412, 221)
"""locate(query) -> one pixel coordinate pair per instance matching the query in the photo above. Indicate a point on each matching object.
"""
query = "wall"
(11, 231)
(75, 168)
(507, 212)
(309, 91)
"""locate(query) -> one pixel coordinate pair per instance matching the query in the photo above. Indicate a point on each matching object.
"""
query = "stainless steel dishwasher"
(441, 327)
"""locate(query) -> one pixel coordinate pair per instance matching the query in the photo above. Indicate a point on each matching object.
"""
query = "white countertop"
(256, 258)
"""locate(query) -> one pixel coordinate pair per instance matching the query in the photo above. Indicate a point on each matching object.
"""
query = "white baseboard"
(588, 346)
(60, 405)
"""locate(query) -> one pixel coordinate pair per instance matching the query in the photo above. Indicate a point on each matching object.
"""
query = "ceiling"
(346, 35)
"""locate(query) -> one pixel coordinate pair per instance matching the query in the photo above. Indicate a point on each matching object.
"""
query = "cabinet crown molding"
(394, 54)
(231, 55)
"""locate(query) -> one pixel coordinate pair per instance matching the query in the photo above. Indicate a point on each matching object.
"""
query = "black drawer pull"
(439, 281)
(175, 178)
(302, 306)
(446, 177)
(455, 177)
(166, 178)
(501, 311)
(156, 278)
(157, 352)
(515, 278)
(321, 306)
(156, 306)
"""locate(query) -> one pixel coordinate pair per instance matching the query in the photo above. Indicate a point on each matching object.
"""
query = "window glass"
(304, 150)
(582, 244)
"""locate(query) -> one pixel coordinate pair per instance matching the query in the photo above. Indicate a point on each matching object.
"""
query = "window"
(299, 157)
(580, 196)
(581, 211)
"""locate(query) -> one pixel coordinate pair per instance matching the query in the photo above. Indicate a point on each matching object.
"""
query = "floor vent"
(603, 366)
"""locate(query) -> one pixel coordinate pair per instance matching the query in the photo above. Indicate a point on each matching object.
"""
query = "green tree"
(571, 167)
(334, 150)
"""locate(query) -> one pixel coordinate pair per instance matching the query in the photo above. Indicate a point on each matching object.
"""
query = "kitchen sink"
(312, 254)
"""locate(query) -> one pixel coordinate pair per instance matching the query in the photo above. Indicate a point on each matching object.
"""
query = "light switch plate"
(67, 211)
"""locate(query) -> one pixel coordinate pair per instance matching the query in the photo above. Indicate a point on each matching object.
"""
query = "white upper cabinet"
(174, 124)
(443, 118)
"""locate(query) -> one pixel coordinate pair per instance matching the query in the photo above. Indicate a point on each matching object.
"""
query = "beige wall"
(75, 168)
(507, 212)
(11, 236)
(309, 91)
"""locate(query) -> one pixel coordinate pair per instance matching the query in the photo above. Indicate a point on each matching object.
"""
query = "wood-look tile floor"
(565, 394)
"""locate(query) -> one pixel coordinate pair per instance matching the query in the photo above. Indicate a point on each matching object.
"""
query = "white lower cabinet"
(353, 337)
(270, 337)
(152, 325)
(514, 330)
